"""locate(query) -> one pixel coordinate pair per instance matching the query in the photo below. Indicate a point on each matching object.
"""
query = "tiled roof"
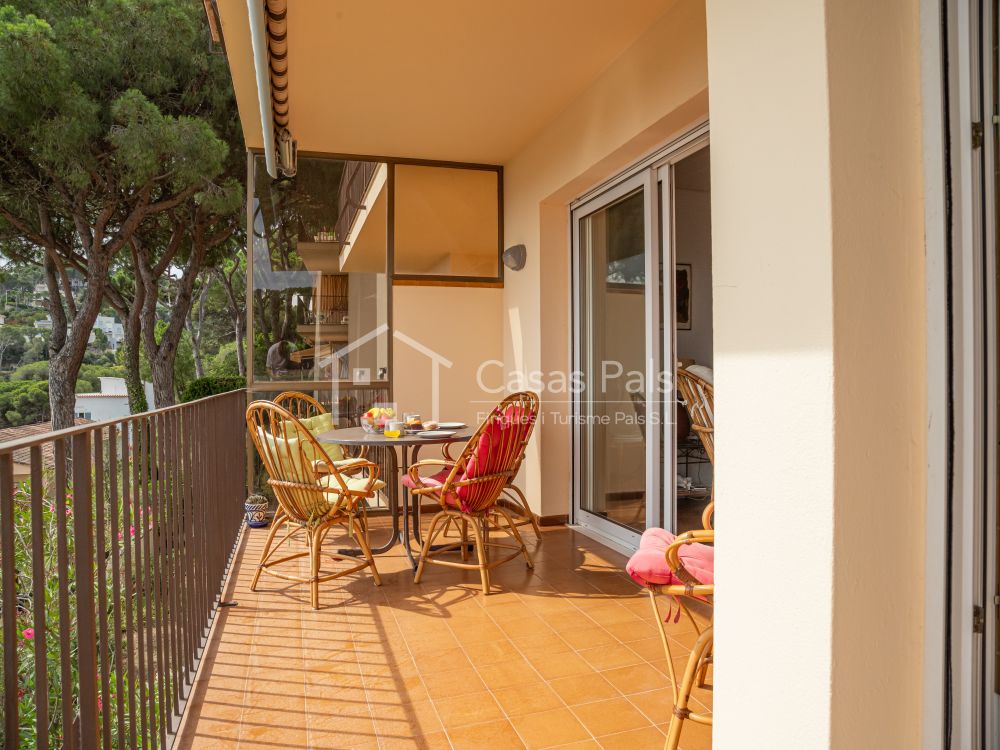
(23, 455)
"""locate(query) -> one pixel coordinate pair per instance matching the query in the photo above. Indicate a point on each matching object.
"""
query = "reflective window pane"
(447, 221)
(320, 288)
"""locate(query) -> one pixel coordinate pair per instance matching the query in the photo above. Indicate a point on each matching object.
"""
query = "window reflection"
(320, 295)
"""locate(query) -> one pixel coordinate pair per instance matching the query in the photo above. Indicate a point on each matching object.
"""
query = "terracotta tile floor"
(563, 656)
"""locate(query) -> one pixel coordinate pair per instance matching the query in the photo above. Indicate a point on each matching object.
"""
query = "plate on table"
(436, 433)
(450, 425)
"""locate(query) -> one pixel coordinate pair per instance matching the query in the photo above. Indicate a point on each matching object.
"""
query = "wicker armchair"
(306, 409)
(300, 405)
(468, 489)
(313, 496)
(512, 493)
(683, 569)
(699, 399)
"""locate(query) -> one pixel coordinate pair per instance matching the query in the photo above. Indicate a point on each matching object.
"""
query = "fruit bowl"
(376, 418)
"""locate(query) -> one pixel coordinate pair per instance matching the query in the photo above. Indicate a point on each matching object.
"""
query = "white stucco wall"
(817, 223)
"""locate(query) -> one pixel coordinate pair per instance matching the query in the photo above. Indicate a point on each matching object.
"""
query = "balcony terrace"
(566, 655)
(172, 648)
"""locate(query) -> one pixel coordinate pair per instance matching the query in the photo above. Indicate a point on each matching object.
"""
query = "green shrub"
(34, 371)
(210, 386)
(89, 380)
(23, 402)
(225, 363)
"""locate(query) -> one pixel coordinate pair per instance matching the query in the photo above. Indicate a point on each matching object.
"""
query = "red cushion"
(434, 480)
(498, 450)
(493, 454)
(649, 564)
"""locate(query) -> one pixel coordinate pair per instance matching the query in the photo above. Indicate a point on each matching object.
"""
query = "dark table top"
(358, 436)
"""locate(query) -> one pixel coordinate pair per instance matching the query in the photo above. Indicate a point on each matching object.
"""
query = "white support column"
(820, 331)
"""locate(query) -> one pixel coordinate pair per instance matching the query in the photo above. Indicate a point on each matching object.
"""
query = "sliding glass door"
(618, 297)
(624, 352)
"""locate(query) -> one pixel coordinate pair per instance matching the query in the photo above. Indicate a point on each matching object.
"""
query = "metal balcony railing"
(354, 183)
(115, 539)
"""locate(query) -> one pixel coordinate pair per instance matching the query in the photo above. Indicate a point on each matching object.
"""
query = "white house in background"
(109, 324)
(110, 403)
(114, 330)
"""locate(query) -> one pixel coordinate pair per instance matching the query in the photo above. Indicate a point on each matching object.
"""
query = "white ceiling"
(438, 79)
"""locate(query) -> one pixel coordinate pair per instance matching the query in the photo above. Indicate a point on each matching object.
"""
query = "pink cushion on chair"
(434, 480)
(649, 564)
(498, 450)
(505, 434)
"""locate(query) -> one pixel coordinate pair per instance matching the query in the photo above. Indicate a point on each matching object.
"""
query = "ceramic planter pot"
(256, 511)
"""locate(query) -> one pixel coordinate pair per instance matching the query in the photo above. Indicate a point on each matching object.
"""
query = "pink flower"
(28, 633)
(100, 704)
(69, 511)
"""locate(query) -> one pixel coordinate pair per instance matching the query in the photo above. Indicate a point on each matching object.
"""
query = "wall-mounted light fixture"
(514, 257)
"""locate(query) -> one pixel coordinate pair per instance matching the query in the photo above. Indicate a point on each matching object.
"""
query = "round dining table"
(409, 446)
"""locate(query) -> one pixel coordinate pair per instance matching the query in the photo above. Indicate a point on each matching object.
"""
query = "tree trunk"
(237, 311)
(163, 353)
(199, 367)
(134, 386)
(130, 312)
(67, 345)
(195, 329)
(159, 353)
(241, 333)
(164, 393)
(62, 391)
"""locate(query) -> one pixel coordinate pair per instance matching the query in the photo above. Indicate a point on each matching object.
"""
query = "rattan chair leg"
(706, 515)
(517, 537)
(522, 501)
(465, 540)
(706, 662)
(315, 541)
(665, 641)
(276, 525)
(448, 524)
(363, 542)
(432, 532)
(481, 549)
(681, 710)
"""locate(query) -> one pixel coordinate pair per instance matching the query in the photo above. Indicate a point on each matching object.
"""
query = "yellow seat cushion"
(348, 462)
(354, 484)
(324, 423)
(285, 446)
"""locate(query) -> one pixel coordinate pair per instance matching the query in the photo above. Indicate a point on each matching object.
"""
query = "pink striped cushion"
(508, 431)
(434, 480)
(649, 564)
(498, 449)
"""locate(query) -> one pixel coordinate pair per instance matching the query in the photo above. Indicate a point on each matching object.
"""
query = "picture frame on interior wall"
(682, 294)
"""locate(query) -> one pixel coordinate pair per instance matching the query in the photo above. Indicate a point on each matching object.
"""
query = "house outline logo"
(437, 360)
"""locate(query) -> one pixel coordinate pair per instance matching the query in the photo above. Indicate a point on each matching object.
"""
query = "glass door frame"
(655, 176)
(644, 182)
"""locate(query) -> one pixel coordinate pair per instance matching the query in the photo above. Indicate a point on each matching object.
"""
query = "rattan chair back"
(534, 408)
(491, 458)
(699, 399)
(300, 405)
(292, 456)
